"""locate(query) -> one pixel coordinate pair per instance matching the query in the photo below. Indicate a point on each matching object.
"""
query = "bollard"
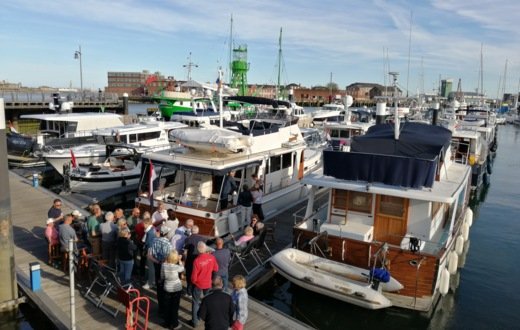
(34, 268)
(35, 180)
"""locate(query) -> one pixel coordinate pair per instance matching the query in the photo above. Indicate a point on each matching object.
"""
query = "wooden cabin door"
(391, 219)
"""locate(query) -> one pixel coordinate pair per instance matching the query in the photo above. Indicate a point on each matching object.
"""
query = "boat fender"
(380, 274)
(465, 231)
(123, 183)
(469, 217)
(233, 222)
(459, 245)
(453, 262)
(444, 285)
(489, 167)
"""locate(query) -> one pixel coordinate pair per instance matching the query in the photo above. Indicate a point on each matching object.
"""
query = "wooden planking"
(29, 208)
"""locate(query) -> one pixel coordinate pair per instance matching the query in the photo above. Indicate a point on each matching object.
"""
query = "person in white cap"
(51, 233)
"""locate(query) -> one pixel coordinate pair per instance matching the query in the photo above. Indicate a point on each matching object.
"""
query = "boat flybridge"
(58, 128)
(189, 178)
(397, 212)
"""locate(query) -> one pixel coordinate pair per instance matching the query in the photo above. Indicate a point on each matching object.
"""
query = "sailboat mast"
(409, 53)
(481, 72)
(230, 50)
(278, 92)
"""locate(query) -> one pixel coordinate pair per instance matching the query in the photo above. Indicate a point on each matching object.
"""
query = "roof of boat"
(466, 133)
(443, 191)
(416, 140)
(70, 116)
(347, 125)
(377, 157)
(149, 126)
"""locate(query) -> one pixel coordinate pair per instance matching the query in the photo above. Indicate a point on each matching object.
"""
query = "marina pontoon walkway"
(29, 208)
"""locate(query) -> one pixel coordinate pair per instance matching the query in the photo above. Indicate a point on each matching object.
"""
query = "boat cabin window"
(360, 201)
(340, 198)
(352, 201)
(392, 206)
(275, 163)
(286, 160)
(148, 136)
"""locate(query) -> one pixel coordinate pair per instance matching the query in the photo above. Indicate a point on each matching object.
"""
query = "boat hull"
(84, 184)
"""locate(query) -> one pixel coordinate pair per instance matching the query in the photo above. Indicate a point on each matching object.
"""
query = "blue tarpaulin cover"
(411, 161)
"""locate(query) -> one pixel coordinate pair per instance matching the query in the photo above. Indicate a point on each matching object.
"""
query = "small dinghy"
(212, 140)
(340, 281)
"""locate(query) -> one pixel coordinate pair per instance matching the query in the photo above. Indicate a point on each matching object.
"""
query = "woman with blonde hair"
(248, 235)
(240, 299)
(170, 270)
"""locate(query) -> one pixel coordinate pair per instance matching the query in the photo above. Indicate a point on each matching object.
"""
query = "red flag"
(152, 176)
(73, 159)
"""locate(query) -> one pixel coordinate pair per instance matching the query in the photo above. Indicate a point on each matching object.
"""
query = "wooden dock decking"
(29, 208)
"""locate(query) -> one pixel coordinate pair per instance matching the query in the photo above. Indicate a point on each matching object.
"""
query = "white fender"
(453, 262)
(444, 285)
(459, 245)
(233, 222)
(465, 231)
(469, 217)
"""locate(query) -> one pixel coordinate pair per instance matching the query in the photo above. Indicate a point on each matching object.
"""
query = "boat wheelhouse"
(190, 179)
(396, 202)
(60, 126)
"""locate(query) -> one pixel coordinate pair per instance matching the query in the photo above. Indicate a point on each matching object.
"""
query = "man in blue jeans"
(223, 256)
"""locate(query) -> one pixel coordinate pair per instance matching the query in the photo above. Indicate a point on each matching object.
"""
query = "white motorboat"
(328, 112)
(144, 134)
(397, 187)
(122, 168)
(190, 178)
(334, 279)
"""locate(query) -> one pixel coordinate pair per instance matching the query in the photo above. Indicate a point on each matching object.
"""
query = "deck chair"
(100, 282)
(259, 245)
(243, 254)
(115, 287)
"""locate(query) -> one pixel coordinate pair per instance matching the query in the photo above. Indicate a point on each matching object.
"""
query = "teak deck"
(29, 208)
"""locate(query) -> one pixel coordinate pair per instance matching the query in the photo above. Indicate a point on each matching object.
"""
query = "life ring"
(453, 262)
(444, 285)
(459, 245)
(469, 217)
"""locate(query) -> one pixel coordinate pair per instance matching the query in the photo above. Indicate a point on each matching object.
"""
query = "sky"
(340, 41)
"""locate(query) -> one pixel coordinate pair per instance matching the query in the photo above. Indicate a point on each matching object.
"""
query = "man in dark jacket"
(228, 187)
(216, 309)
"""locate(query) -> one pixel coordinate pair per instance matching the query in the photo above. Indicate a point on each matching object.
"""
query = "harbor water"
(487, 293)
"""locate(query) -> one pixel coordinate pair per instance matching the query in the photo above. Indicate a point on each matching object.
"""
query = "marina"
(227, 167)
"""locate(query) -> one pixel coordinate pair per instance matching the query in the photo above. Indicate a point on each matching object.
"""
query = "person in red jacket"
(203, 267)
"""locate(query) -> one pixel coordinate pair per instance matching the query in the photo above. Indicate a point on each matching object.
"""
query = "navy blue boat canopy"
(377, 157)
(415, 140)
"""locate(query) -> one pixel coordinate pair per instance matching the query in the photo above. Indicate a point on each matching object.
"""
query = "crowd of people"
(156, 251)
